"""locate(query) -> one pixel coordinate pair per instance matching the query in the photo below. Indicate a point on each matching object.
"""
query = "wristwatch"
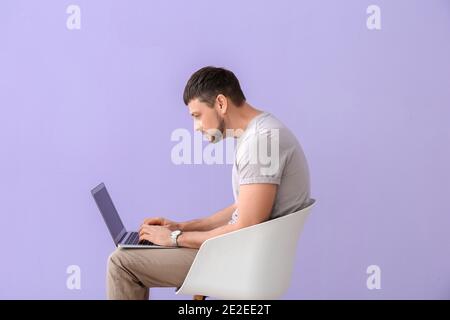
(174, 236)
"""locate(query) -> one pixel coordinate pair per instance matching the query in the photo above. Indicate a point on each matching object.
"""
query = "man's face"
(207, 120)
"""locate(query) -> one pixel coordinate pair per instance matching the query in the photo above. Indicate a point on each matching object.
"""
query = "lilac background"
(370, 108)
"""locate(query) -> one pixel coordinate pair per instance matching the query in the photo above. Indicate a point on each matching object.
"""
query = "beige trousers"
(132, 272)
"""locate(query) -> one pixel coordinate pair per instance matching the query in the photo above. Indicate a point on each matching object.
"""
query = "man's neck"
(240, 117)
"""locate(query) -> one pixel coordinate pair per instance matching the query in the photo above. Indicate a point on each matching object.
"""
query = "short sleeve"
(259, 159)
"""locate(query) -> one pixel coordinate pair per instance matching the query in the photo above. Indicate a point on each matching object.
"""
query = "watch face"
(174, 237)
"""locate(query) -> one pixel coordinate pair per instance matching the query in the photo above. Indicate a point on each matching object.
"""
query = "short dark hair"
(208, 82)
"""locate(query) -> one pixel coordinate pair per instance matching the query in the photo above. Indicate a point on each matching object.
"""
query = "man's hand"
(157, 234)
(171, 225)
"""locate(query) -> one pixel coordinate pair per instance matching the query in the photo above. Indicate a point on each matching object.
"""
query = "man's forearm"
(218, 219)
(194, 239)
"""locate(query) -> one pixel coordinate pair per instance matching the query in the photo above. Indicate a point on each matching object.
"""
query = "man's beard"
(217, 134)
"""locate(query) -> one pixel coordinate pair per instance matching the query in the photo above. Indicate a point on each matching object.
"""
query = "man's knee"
(117, 259)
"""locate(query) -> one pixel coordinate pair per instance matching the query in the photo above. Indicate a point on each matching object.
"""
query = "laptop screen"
(108, 211)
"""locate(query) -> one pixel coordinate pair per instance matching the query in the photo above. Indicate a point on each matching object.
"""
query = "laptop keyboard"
(134, 239)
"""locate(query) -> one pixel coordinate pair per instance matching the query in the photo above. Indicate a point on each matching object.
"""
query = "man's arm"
(214, 221)
(254, 205)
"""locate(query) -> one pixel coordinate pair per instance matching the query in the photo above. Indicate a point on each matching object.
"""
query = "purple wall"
(371, 109)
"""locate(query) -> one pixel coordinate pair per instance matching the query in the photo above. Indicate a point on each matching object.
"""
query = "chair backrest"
(250, 263)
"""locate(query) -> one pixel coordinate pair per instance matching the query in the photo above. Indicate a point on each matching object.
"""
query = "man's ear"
(222, 104)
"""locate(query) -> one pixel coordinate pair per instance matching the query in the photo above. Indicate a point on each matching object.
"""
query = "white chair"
(251, 263)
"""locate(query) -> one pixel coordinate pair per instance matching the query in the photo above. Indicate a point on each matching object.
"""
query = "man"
(266, 185)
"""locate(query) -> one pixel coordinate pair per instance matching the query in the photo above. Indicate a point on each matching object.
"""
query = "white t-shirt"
(268, 152)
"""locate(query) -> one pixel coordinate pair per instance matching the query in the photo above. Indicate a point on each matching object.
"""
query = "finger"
(143, 230)
(144, 237)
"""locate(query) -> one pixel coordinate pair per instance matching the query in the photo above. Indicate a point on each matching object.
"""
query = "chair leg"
(199, 297)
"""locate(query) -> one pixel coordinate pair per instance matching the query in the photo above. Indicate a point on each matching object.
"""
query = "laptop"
(121, 237)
